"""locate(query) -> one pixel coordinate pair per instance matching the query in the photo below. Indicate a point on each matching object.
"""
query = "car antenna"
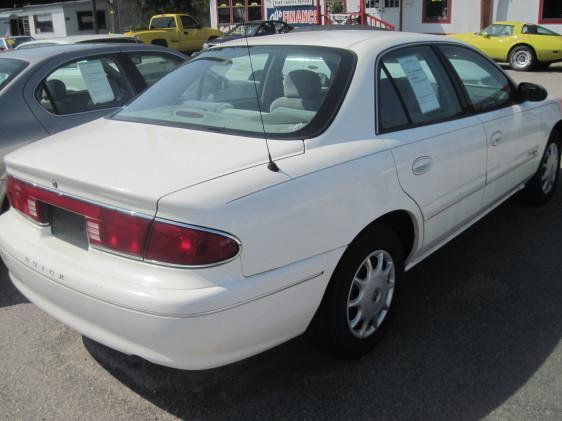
(272, 166)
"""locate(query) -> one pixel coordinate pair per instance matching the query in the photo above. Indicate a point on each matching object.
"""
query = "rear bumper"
(190, 328)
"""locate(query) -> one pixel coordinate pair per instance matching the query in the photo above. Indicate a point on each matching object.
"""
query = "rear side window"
(153, 67)
(415, 76)
(9, 69)
(89, 84)
(487, 86)
(163, 22)
(537, 30)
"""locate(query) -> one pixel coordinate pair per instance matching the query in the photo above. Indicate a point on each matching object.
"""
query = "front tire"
(361, 298)
(522, 58)
(540, 189)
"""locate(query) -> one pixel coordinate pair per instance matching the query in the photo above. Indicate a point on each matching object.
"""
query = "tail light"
(128, 233)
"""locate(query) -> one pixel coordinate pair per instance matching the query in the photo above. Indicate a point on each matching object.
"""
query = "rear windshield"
(160, 23)
(297, 89)
(21, 40)
(9, 68)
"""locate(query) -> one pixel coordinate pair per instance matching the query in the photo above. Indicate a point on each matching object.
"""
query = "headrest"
(303, 84)
(57, 89)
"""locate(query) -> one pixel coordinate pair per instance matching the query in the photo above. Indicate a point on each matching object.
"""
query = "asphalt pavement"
(477, 335)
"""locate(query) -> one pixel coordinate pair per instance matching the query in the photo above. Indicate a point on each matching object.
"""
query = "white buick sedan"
(261, 191)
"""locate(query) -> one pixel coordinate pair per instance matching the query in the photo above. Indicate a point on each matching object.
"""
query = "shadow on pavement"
(553, 68)
(477, 320)
(9, 295)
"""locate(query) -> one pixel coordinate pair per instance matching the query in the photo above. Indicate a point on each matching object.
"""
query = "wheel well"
(402, 224)
(5, 206)
(521, 44)
(557, 129)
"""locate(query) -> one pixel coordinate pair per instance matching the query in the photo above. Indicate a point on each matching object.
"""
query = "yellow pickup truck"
(178, 31)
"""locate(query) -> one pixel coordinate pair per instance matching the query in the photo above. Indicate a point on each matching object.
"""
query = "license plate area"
(68, 226)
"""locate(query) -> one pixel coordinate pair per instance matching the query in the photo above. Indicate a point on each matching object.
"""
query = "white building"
(430, 16)
(55, 19)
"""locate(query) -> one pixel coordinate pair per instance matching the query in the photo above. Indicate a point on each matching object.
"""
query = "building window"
(389, 4)
(43, 23)
(86, 23)
(438, 11)
(550, 11)
(237, 11)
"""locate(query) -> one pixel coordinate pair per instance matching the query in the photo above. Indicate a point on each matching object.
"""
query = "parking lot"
(477, 335)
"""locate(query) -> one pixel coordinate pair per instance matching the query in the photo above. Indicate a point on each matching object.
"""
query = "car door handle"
(422, 165)
(186, 33)
(496, 138)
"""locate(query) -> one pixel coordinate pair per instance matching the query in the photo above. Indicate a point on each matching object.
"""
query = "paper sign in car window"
(420, 83)
(96, 81)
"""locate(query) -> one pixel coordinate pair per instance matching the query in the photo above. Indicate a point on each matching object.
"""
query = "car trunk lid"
(132, 165)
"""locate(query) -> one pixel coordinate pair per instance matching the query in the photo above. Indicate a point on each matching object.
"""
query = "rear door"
(513, 130)
(78, 90)
(440, 152)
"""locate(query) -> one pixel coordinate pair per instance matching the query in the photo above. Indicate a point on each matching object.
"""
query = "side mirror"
(485, 34)
(527, 91)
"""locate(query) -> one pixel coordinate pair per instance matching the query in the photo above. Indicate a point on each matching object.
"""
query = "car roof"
(506, 22)
(36, 55)
(74, 39)
(349, 39)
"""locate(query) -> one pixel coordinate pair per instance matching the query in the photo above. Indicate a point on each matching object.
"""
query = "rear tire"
(361, 298)
(522, 58)
(540, 189)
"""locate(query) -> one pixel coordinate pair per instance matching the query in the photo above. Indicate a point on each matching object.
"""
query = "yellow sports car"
(524, 46)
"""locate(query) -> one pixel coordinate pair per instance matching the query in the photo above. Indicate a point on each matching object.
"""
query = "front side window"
(90, 84)
(153, 67)
(437, 11)
(9, 69)
(550, 11)
(297, 89)
(43, 23)
(487, 87)
(499, 30)
(421, 84)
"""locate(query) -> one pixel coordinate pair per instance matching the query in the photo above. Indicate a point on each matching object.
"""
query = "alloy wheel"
(550, 168)
(371, 294)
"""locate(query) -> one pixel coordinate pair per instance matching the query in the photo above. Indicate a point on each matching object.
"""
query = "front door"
(511, 128)
(191, 37)
(440, 155)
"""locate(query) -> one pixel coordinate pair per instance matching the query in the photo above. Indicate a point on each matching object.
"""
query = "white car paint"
(294, 225)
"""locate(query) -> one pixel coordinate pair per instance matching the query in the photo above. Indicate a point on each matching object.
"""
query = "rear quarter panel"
(320, 201)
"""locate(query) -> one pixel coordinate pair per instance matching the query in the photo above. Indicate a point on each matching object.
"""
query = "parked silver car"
(46, 90)
(77, 39)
